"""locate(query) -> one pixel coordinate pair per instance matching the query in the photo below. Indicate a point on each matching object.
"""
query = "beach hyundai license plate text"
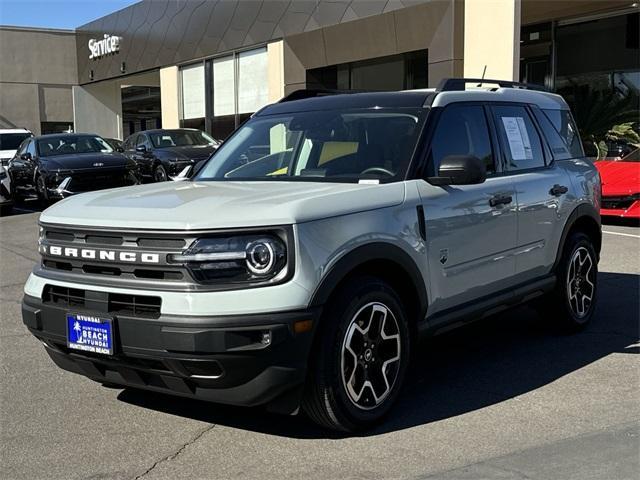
(90, 333)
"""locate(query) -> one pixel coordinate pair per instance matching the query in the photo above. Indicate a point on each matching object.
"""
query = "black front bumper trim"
(222, 359)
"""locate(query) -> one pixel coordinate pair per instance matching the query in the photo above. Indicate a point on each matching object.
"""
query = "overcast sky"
(56, 13)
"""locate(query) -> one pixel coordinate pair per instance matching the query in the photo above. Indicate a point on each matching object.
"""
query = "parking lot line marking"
(621, 234)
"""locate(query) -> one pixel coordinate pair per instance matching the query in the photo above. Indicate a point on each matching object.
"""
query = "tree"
(603, 115)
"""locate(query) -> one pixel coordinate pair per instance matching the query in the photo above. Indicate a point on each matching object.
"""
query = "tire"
(344, 359)
(43, 194)
(160, 174)
(570, 307)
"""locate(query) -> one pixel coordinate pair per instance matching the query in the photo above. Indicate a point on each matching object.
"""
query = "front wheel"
(160, 174)
(572, 303)
(43, 193)
(360, 357)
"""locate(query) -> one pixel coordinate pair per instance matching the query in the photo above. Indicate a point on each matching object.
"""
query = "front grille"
(159, 274)
(617, 203)
(113, 303)
(86, 182)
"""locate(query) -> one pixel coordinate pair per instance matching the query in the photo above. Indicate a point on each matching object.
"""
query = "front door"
(470, 229)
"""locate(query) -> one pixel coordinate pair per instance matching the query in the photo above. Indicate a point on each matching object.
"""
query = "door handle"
(558, 190)
(500, 200)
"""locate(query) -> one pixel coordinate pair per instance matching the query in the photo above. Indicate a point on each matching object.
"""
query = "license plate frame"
(92, 333)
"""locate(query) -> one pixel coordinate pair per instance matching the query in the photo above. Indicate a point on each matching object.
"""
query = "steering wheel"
(381, 170)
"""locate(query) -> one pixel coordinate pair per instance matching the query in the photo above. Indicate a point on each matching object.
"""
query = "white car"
(10, 140)
(302, 279)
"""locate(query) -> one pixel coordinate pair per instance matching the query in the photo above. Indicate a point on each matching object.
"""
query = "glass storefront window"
(253, 82)
(193, 105)
(404, 71)
(239, 87)
(224, 87)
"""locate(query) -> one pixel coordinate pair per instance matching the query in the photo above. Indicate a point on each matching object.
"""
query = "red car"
(621, 186)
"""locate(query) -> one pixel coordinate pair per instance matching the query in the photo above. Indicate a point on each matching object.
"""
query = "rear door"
(470, 229)
(541, 188)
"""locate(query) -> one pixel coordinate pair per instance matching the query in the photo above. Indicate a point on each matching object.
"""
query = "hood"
(86, 161)
(619, 178)
(7, 153)
(197, 152)
(211, 205)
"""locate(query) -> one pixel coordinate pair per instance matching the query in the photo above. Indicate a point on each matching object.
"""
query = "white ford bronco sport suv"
(302, 262)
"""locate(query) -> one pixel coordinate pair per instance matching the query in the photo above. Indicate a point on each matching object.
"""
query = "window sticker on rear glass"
(518, 138)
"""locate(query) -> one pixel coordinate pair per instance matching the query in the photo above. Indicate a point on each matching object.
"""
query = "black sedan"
(162, 154)
(56, 166)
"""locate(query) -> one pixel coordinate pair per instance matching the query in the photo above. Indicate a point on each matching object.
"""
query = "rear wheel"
(360, 357)
(160, 174)
(572, 303)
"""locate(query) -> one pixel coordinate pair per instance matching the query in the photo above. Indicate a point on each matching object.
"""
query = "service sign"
(107, 45)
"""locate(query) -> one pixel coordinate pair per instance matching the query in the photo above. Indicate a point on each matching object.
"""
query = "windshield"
(70, 144)
(180, 138)
(11, 141)
(323, 145)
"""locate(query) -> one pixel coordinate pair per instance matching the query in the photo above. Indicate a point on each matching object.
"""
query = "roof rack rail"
(460, 84)
(312, 93)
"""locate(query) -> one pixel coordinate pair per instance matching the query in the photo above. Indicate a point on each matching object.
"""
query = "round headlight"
(261, 257)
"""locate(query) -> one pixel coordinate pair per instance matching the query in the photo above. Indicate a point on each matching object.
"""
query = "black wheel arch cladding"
(371, 255)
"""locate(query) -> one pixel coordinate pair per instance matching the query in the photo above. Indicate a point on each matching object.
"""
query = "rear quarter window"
(563, 123)
(559, 149)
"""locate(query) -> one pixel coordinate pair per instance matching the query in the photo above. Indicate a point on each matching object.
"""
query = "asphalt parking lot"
(503, 399)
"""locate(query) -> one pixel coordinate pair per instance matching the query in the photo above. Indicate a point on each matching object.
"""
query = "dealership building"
(211, 64)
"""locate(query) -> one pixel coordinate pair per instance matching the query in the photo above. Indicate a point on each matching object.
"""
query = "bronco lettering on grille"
(107, 255)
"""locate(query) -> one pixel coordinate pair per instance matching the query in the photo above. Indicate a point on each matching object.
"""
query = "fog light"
(266, 338)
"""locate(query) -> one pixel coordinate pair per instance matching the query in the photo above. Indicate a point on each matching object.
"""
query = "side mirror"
(25, 156)
(460, 170)
(141, 149)
(119, 149)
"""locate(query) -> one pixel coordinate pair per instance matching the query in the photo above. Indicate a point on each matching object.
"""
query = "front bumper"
(219, 359)
(630, 211)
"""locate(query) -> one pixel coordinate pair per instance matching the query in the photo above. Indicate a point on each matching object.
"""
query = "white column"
(169, 97)
(275, 70)
(492, 39)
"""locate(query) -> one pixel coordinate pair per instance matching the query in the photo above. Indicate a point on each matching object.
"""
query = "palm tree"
(599, 112)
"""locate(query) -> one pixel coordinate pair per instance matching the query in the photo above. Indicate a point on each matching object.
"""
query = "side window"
(566, 128)
(22, 148)
(142, 140)
(31, 148)
(462, 130)
(558, 147)
(520, 141)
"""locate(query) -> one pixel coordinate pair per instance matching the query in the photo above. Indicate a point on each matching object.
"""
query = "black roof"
(405, 99)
